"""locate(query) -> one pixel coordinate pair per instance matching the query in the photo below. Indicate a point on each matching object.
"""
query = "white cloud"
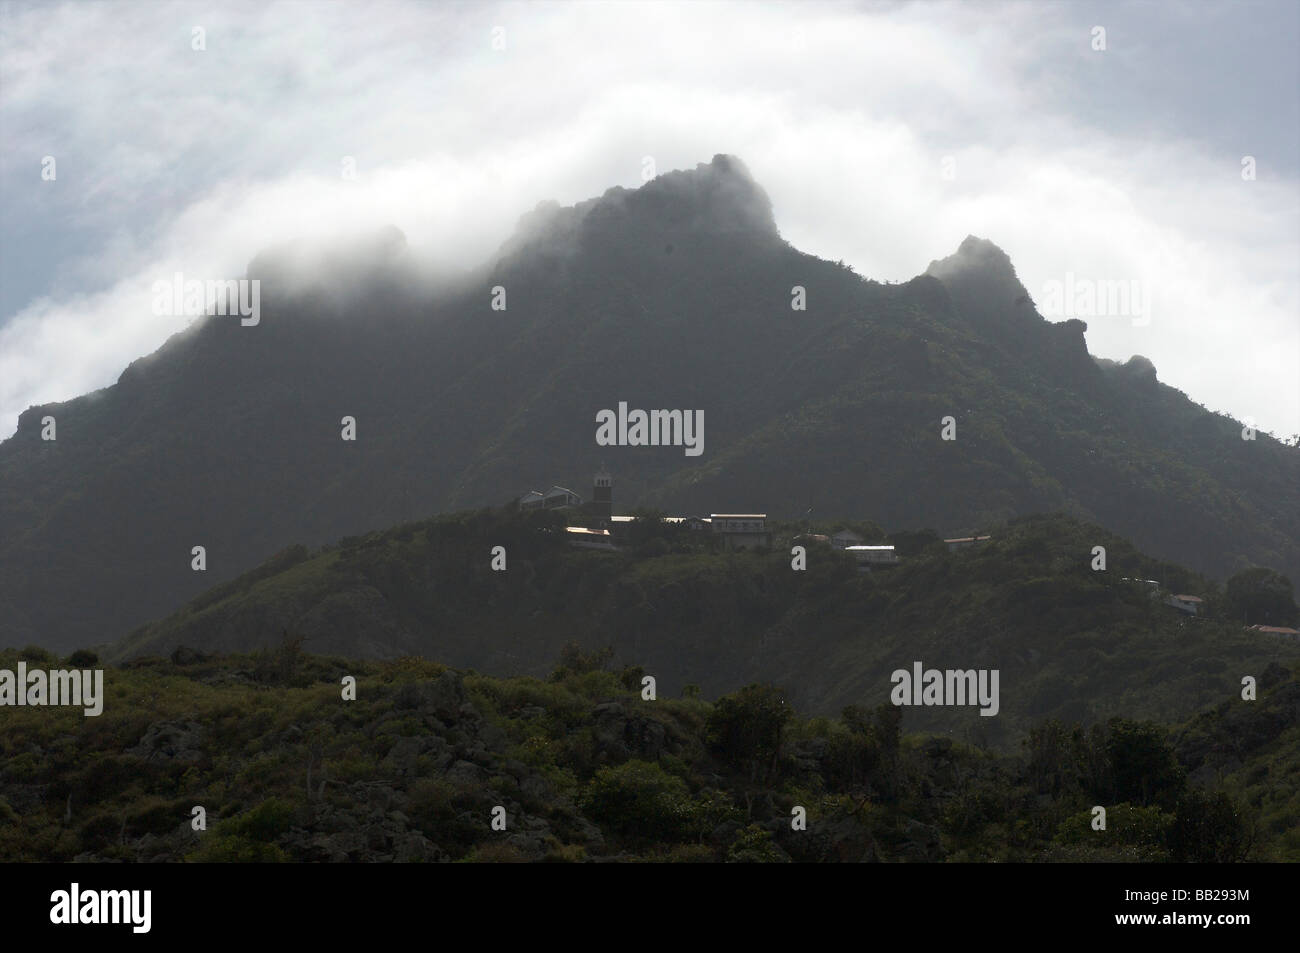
(172, 159)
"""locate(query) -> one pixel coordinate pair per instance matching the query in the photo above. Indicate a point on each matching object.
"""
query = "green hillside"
(585, 767)
(1069, 642)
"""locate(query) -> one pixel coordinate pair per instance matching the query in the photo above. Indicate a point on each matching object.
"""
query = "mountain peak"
(718, 197)
(973, 254)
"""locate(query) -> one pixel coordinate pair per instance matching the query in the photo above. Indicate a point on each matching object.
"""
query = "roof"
(562, 489)
(1190, 598)
(738, 516)
(967, 539)
(1281, 629)
(666, 519)
(854, 549)
(583, 531)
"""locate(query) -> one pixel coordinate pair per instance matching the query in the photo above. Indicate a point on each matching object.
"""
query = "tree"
(1209, 829)
(573, 661)
(1144, 768)
(745, 728)
(1260, 596)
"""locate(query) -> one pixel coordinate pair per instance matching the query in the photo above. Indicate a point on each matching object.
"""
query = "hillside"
(1070, 643)
(676, 295)
(586, 769)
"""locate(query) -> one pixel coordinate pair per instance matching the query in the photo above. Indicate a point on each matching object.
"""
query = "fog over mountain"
(468, 389)
(885, 133)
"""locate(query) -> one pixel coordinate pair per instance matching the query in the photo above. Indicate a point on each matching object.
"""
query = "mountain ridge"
(674, 295)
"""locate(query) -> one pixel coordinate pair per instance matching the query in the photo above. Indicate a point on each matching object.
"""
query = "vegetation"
(586, 769)
(1070, 642)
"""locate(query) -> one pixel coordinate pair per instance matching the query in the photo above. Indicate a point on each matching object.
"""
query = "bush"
(745, 729)
(755, 845)
(640, 802)
(1126, 825)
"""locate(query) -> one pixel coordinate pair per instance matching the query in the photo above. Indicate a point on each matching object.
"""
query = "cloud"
(1072, 160)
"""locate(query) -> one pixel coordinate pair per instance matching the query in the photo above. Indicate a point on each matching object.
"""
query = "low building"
(807, 539)
(585, 538)
(846, 538)
(1276, 630)
(965, 542)
(741, 530)
(690, 522)
(558, 497)
(1189, 604)
(873, 555)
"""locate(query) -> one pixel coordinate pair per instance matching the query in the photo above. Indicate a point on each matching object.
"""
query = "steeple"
(602, 496)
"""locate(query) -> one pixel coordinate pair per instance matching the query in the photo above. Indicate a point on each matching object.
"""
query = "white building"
(1189, 604)
(873, 555)
(557, 497)
(741, 530)
(585, 538)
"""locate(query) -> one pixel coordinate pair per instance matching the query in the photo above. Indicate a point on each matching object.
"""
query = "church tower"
(602, 496)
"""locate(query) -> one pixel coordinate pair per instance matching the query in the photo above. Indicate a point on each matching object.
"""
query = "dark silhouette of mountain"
(675, 295)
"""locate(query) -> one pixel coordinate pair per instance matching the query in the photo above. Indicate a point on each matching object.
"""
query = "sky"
(1151, 144)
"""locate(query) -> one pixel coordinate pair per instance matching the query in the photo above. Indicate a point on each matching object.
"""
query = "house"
(873, 555)
(846, 538)
(965, 542)
(558, 497)
(1276, 630)
(741, 530)
(1152, 586)
(585, 538)
(1189, 604)
(806, 539)
(690, 522)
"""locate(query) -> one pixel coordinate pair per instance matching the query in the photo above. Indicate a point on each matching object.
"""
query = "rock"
(442, 697)
(412, 847)
(536, 788)
(404, 754)
(466, 773)
(170, 740)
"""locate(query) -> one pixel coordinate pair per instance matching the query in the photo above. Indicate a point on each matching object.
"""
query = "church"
(560, 497)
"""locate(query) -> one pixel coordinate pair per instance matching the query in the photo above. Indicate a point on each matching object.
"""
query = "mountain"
(1069, 642)
(675, 295)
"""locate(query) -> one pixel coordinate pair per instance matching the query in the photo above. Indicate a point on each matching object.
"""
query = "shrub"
(640, 802)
